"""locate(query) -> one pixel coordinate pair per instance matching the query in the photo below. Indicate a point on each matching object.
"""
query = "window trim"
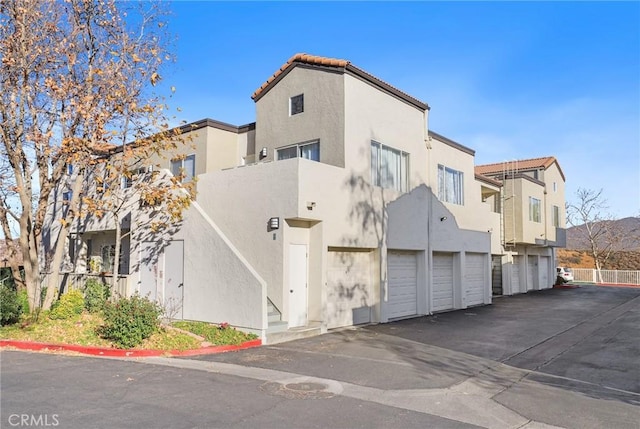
(442, 182)
(404, 167)
(535, 215)
(299, 147)
(291, 104)
(182, 160)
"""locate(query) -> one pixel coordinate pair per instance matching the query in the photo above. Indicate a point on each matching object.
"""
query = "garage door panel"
(442, 290)
(348, 288)
(475, 275)
(402, 271)
(515, 275)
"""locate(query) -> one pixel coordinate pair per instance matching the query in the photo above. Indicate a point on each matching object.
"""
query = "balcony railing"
(69, 281)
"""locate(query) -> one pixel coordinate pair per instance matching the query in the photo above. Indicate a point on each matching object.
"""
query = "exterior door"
(532, 273)
(515, 275)
(475, 273)
(402, 276)
(442, 281)
(174, 284)
(543, 268)
(297, 285)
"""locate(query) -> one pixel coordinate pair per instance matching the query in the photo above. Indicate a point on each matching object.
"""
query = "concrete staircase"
(277, 331)
(276, 324)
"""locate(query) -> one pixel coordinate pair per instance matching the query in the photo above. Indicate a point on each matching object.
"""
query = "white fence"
(71, 281)
(608, 276)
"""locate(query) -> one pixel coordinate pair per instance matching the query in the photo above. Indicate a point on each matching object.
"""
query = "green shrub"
(69, 305)
(23, 299)
(95, 295)
(129, 321)
(10, 306)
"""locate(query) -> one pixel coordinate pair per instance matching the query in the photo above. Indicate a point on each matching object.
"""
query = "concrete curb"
(109, 352)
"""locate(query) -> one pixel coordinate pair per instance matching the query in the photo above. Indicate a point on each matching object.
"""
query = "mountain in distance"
(629, 228)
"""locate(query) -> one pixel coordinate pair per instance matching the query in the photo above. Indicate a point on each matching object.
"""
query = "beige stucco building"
(338, 206)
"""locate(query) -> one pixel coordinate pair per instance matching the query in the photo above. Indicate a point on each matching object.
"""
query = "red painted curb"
(104, 351)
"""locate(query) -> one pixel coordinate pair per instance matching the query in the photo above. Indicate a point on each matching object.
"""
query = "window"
(534, 210)
(450, 185)
(186, 166)
(389, 167)
(555, 187)
(296, 105)
(69, 169)
(108, 256)
(556, 216)
(308, 150)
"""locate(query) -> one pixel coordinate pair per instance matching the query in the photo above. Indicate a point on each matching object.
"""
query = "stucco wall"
(219, 284)
(323, 117)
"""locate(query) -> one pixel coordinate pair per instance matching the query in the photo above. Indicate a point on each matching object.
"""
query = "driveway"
(557, 358)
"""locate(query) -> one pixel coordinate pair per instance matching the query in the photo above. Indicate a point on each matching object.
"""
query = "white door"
(532, 272)
(402, 281)
(442, 281)
(297, 285)
(515, 275)
(475, 277)
(348, 288)
(543, 268)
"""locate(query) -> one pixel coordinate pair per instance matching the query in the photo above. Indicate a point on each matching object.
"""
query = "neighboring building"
(533, 221)
(337, 207)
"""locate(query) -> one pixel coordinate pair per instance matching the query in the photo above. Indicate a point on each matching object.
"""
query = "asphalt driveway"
(585, 340)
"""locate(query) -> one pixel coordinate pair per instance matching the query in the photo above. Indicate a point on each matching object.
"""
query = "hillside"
(576, 254)
(628, 227)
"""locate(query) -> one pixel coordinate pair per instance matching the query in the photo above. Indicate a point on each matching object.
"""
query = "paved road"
(545, 359)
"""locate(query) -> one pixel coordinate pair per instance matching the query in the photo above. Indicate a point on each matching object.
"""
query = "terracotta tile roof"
(339, 64)
(520, 165)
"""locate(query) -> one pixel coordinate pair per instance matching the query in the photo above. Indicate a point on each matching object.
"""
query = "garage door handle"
(290, 290)
(181, 284)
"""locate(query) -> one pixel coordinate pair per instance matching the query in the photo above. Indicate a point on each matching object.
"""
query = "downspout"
(428, 269)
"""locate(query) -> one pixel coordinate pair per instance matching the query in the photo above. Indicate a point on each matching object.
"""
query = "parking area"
(584, 339)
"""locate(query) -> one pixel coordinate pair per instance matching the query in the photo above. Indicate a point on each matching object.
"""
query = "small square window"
(296, 104)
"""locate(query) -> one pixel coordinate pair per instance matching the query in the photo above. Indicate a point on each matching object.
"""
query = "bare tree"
(598, 227)
(75, 84)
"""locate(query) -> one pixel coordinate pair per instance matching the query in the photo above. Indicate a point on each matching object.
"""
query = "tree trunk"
(53, 283)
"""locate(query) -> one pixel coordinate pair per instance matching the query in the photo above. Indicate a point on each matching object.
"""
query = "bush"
(69, 305)
(23, 299)
(95, 295)
(129, 321)
(10, 306)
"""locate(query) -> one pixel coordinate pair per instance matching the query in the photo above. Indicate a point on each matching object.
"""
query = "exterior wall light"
(443, 218)
(263, 153)
(274, 223)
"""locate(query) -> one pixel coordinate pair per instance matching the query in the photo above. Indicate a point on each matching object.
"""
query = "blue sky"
(511, 80)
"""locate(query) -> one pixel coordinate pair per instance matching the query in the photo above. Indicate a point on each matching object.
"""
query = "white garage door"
(515, 275)
(442, 281)
(402, 274)
(543, 267)
(532, 272)
(348, 288)
(475, 277)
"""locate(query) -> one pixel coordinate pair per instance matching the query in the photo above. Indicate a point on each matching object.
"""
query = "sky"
(511, 80)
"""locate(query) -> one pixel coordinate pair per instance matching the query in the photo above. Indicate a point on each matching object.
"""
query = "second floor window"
(450, 185)
(308, 150)
(556, 216)
(534, 210)
(296, 104)
(186, 166)
(389, 167)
